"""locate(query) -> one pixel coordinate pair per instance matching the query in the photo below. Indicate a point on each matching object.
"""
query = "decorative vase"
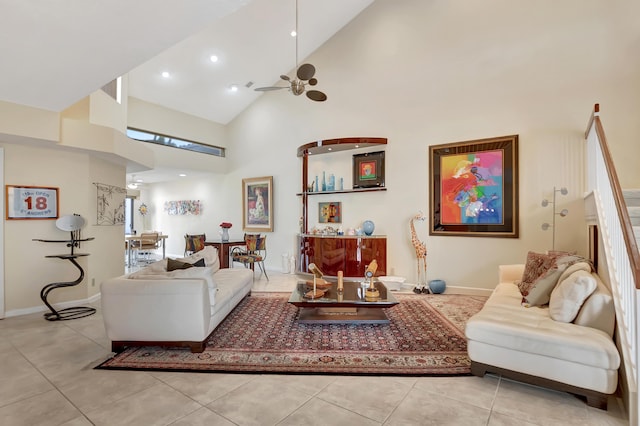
(225, 234)
(368, 227)
(437, 286)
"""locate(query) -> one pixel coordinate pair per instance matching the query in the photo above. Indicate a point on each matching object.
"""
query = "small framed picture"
(330, 212)
(257, 204)
(368, 170)
(31, 202)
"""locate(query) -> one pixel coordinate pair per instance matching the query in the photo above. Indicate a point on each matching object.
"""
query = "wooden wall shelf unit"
(326, 147)
(355, 252)
(344, 191)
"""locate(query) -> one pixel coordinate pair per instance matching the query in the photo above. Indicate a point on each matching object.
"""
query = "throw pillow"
(569, 295)
(209, 254)
(578, 266)
(174, 264)
(538, 279)
(542, 273)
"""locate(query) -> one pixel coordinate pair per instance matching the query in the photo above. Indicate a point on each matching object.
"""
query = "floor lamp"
(561, 213)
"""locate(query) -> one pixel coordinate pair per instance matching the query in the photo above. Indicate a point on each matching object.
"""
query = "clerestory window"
(158, 139)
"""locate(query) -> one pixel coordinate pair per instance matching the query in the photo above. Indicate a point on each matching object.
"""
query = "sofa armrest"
(155, 310)
(510, 273)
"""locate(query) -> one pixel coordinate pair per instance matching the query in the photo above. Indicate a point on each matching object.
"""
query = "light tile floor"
(47, 378)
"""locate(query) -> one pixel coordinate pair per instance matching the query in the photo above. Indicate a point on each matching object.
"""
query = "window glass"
(144, 136)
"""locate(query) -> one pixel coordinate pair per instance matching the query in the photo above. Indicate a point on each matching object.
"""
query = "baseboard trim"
(57, 306)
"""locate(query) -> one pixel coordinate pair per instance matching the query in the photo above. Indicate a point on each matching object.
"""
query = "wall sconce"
(561, 213)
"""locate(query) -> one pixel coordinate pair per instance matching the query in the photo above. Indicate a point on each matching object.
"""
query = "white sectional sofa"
(182, 307)
(527, 344)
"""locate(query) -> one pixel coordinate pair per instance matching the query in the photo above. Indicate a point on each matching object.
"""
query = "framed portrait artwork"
(330, 212)
(474, 188)
(368, 170)
(257, 204)
(31, 202)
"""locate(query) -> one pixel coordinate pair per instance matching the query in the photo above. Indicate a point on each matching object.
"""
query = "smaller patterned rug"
(261, 335)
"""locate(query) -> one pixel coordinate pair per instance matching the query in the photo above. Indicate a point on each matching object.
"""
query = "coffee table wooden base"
(342, 316)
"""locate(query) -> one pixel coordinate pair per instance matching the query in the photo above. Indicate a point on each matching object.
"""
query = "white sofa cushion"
(205, 273)
(598, 310)
(569, 295)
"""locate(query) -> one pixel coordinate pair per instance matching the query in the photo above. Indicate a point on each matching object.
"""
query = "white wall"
(425, 73)
(208, 190)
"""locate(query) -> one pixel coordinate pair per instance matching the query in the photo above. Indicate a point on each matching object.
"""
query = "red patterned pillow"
(539, 278)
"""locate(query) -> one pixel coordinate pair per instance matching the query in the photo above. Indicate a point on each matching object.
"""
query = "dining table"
(130, 238)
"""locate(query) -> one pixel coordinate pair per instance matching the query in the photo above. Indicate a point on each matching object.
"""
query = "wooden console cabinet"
(350, 254)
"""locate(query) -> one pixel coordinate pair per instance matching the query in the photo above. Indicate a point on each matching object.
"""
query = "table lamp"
(317, 275)
(372, 293)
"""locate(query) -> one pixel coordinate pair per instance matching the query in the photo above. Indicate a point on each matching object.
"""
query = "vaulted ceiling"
(56, 53)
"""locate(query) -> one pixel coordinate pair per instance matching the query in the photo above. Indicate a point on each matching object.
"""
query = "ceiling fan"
(134, 183)
(304, 76)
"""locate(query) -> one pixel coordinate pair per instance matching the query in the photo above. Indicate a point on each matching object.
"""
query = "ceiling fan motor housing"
(297, 87)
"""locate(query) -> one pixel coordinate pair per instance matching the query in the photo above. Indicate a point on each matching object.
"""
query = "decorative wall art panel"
(183, 207)
(110, 204)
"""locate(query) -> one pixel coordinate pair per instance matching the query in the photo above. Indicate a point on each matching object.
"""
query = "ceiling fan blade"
(269, 88)
(306, 71)
(316, 95)
(285, 77)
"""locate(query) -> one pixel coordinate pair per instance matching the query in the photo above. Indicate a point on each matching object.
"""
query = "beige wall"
(26, 268)
(425, 73)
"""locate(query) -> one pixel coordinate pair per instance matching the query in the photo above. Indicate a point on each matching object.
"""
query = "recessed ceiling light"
(294, 33)
(132, 186)
(166, 74)
(234, 88)
(213, 58)
(182, 175)
(139, 180)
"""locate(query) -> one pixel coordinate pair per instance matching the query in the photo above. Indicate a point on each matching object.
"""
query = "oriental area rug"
(261, 335)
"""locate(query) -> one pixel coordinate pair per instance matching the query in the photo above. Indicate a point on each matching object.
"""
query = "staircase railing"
(621, 250)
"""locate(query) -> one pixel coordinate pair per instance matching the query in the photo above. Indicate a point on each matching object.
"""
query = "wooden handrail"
(621, 206)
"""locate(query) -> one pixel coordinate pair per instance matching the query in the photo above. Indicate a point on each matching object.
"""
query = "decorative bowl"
(437, 286)
(392, 283)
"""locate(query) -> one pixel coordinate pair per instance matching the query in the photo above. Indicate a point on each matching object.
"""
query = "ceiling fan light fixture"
(304, 76)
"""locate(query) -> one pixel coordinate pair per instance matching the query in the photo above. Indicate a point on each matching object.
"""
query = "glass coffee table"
(349, 306)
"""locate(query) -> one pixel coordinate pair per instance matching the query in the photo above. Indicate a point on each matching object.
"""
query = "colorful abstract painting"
(472, 188)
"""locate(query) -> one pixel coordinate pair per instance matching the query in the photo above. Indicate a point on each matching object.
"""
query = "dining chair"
(254, 252)
(193, 243)
(149, 241)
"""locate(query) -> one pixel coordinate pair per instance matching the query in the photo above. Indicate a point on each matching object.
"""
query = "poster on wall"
(110, 204)
(474, 188)
(31, 202)
(257, 204)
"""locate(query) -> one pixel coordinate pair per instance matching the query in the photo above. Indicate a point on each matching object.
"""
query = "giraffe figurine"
(421, 256)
